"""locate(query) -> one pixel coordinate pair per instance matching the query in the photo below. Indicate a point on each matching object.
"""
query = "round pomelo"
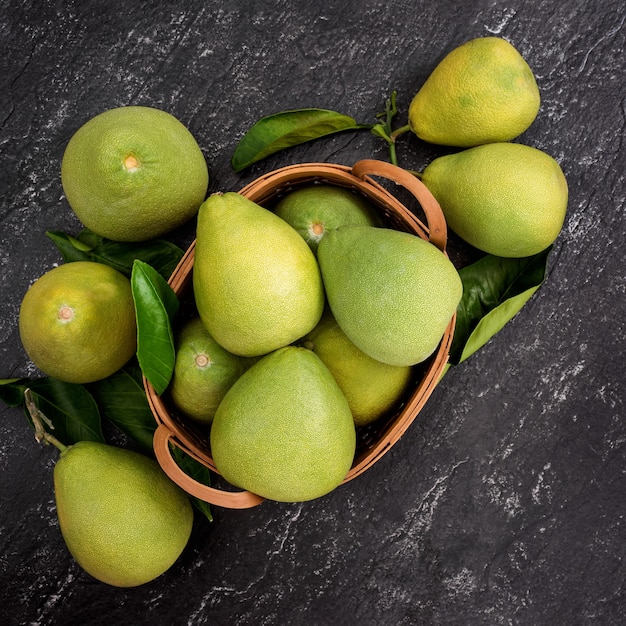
(372, 388)
(134, 173)
(77, 322)
(203, 372)
(317, 209)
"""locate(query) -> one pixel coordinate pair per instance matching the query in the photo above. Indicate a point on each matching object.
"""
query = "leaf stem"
(41, 434)
(384, 129)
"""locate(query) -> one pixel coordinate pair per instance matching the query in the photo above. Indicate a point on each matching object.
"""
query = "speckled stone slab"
(504, 503)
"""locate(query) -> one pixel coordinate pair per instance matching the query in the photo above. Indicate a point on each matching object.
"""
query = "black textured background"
(504, 503)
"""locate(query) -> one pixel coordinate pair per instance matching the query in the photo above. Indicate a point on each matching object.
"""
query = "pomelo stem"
(131, 163)
(400, 131)
(41, 434)
(385, 130)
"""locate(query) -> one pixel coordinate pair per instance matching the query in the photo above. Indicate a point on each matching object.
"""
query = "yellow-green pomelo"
(123, 520)
(371, 388)
(203, 372)
(481, 92)
(315, 209)
(392, 293)
(284, 430)
(506, 199)
(256, 282)
(77, 322)
(133, 173)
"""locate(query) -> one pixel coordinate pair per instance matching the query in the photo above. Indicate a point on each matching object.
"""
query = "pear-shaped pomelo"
(123, 520)
(506, 199)
(391, 292)
(372, 388)
(482, 91)
(284, 430)
(256, 282)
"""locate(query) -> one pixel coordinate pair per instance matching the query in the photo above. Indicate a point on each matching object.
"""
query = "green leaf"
(69, 407)
(87, 246)
(12, 391)
(286, 129)
(198, 472)
(494, 291)
(155, 306)
(122, 400)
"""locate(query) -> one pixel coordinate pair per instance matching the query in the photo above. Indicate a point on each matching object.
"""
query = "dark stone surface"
(504, 503)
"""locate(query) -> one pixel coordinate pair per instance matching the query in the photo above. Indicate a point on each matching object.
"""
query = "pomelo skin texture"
(123, 520)
(313, 210)
(284, 430)
(392, 293)
(256, 282)
(77, 322)
(134, 173)
(481, 92)
(371, 388)
(203, 372)
(506, 199)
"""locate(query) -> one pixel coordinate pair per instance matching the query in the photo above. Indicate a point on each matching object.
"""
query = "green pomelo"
(256, 282)
(134, 173)
(506, 199)
(392, 293)
(77, 322)
(203, 372)
(316, 209)
(372, 388)
(284, 430)
(123, 520)
(481, 92)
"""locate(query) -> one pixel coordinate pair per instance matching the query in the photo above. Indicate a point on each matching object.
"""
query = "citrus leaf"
(286, 129)
(198, 472)
(155, 306)
(495, 321)
(122, 401)
(12, 391)
(87, 246)
(494, 291)
(69, 407)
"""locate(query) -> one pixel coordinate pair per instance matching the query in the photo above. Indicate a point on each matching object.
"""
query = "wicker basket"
(374, 440)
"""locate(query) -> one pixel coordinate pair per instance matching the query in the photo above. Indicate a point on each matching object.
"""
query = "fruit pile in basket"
(326, 332)
(306, 319)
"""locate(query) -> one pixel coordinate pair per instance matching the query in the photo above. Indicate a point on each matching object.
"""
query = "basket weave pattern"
(374, 440)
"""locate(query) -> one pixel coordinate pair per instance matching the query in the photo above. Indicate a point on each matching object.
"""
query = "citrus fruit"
(506, 199)
(315, 209)
(284, 430)
(371, 388)
(77, 322)
(122, 519)
(391, 292)
(256, 283)
(133, 173)
(203, 372)
(481, 92)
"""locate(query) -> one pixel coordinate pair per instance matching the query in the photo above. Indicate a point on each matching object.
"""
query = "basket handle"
(437, 229)
(227, 499)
